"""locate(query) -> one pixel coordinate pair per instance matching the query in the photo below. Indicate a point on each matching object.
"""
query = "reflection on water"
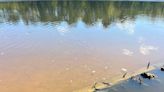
(65, 46)
(90, 12)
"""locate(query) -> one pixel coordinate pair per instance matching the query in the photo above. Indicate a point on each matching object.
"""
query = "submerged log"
(148, 75)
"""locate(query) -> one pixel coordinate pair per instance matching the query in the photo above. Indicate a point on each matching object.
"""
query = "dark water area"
(149, 85)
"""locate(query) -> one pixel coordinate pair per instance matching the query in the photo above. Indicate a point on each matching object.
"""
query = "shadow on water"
(153, 85)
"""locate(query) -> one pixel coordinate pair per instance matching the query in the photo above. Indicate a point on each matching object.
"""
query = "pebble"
(124, 70)
(106, 67)
(71, 81)
(93, 71)
(67, 69)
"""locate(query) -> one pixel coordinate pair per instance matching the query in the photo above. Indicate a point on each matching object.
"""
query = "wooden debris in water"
(108, 84)
(124, 75)
(147, 75)
(162, 68)
(96, 87)
(148, 65)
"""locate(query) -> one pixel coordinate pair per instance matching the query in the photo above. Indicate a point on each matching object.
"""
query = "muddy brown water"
(66, 46)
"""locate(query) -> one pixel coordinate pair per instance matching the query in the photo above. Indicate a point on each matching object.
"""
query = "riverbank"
(114, 80)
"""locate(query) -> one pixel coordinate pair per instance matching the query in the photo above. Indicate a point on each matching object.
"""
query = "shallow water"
(66, 46)
(154, 85)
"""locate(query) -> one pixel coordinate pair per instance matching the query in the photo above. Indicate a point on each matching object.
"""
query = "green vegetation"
(89, 11)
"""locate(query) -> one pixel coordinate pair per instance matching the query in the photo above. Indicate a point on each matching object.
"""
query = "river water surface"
(65, 46)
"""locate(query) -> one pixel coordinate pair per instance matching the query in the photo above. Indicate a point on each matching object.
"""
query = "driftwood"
(124, 75)
(162, 68)
(148, 75)
(148, 65)
(97, 89)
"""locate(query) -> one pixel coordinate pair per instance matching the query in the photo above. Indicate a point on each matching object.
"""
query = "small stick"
(108, 84)
(124, 75)
(148, 65)
(94, 86)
